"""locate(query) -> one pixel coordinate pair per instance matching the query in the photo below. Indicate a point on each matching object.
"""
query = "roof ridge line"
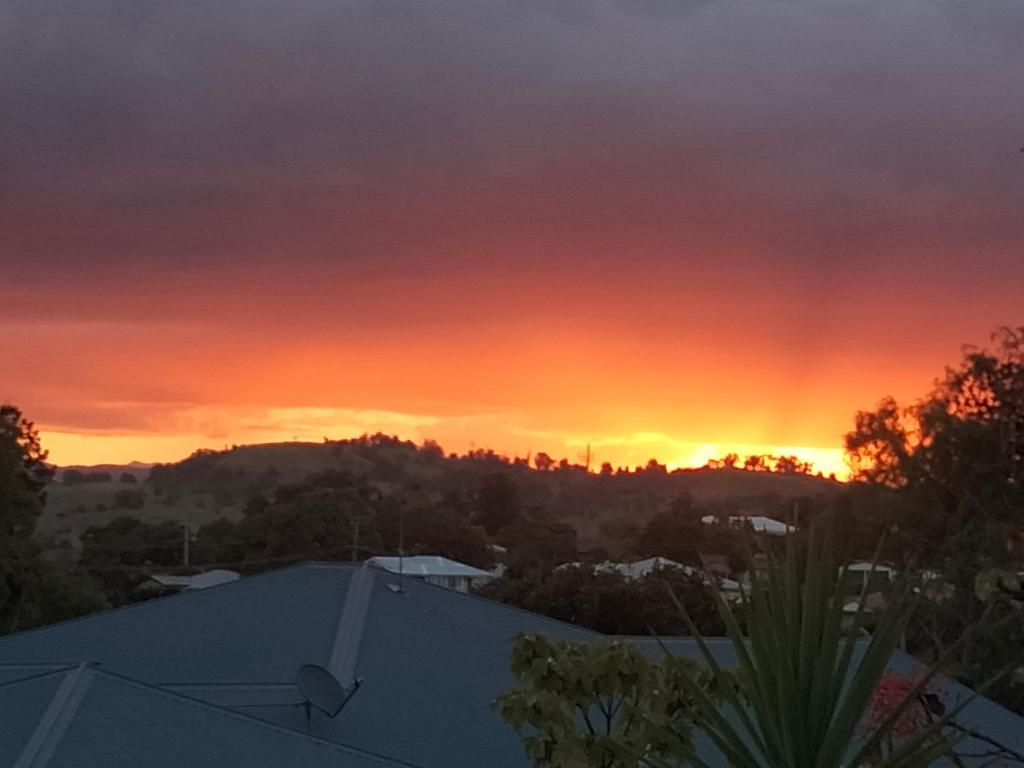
(348, 635)
(421, 583)
(336, 746)
(56, 719)
(160, 600)
(59, 669)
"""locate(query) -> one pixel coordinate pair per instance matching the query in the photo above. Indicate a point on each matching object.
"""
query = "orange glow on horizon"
(70, 448)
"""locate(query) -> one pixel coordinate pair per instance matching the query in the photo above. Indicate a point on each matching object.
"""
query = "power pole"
(355, 541)
(586, 456)
(185, 553)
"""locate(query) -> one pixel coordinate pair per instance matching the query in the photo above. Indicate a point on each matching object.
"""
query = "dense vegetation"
(942, 479)
(33, 590)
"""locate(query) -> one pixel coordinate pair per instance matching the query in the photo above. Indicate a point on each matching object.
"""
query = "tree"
(543, 462)
(608, 602)
(943, 477)
(956, 457)
(334, 516)
(23, 474)
(536, 544)
(23, 477)
(129, 498)
(118, 555)
(435, 529)
(72, 477)
(32, 590)
(598, 704)
(675, 533)
(755, 463)
(497, 502)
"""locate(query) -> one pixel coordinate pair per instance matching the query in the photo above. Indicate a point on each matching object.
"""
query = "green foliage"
(536, 544)
(118, 554)
(600, 704)
(334, 516)
(32, 590)
(23, 475)
(497, 502)
(954, 459)
(944, 478)
(676, 532)
(803, 689)
(51, 592)
(608, 602)
(129, 498)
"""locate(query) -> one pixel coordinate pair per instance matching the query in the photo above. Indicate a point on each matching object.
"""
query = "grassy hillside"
(210, 485)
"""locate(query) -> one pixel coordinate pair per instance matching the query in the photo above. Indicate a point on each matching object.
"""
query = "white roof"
(196, 581)
(865, 566)
(428, 565)
(759, 523)
(642, 568)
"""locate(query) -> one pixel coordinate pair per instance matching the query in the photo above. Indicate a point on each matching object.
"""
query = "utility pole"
(185, 557)
(355, 541)
(586, 456)
(401, 543)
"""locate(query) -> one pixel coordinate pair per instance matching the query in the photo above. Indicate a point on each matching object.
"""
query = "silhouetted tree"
(32, 590)
(676, 532)
(497, 502)
(944, 479)
(535, 544)
(609, 603)
(120, 554)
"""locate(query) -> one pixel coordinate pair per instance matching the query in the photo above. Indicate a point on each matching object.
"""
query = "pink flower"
(890, 692)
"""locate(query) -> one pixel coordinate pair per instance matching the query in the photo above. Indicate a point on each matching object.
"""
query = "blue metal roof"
(430, 660)
(84, 717)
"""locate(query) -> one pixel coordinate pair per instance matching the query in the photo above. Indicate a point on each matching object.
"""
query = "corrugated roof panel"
(259, 629)
(22, 706)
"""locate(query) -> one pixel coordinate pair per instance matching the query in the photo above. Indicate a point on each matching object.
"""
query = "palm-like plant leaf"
(805, 681)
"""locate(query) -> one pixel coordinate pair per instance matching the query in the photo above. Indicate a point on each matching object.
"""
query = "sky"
(664, 228)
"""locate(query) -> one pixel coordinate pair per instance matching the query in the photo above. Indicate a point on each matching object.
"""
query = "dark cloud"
(803, 134)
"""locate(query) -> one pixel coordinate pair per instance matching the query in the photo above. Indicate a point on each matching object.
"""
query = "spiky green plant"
(798, 695)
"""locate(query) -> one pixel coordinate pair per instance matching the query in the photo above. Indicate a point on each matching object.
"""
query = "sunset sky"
(667, 228)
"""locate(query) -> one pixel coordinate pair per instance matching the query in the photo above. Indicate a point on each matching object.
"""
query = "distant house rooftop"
(434, 569)
(643, 568)
(427, 565)
(759, 523)
(210, 679)
(196, 580)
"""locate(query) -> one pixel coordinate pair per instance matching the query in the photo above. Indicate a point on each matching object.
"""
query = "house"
(434, 570)
(193, 581)
(642, 568)
(212, 678)
(759, 523)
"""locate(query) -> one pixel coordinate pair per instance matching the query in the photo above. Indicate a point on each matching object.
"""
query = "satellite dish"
(321, 689)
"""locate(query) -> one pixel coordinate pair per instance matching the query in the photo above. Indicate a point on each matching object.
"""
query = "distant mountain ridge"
(212, 484)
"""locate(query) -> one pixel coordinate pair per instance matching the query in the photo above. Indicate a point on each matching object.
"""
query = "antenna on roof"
(322, 691)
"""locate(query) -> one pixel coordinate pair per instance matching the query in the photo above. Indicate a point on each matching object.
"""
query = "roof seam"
(35, 632)
(349, 634)
(56, 719)
(254, 721)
